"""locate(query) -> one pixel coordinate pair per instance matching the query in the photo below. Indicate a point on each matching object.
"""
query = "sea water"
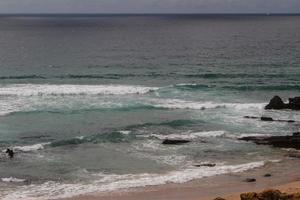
(86, 101)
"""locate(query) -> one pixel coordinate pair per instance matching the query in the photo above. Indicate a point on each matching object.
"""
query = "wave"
(190, 135)
(154, 75)
(22, 77)
(181, 104)
(33, 147)
(111, 182)
(56, 90)
(281, 87)
(238, 87)
(13, 180)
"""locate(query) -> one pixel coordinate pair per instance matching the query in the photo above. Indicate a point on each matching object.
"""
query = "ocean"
(86, 101)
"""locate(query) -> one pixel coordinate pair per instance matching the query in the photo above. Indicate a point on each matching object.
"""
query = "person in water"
(10, 153)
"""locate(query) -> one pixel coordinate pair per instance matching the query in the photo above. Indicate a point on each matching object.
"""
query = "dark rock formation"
(266, 119)
(250, 180)
(205, 165)
(269, 119)
(219, 198)
(277, 103)
(175, 141)
(269, 195)
(267, 175)
(292, 141)
(294, 103)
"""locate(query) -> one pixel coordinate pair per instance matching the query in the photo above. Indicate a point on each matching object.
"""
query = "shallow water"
(86, 102)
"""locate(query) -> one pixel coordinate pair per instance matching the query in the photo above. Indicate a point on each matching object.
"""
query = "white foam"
(33, 147)
(47, 89)
(182, 104)
(253, 135)
(12, 179)
(111, 182)
(190, 135)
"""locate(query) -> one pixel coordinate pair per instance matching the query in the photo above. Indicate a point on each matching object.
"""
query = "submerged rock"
(175, 141)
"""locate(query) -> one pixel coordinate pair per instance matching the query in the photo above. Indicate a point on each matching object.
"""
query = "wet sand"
(285, 175)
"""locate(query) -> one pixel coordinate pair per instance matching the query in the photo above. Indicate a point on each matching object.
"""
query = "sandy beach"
(284, 176)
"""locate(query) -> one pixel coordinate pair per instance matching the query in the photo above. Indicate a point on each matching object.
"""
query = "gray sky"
(150, 6)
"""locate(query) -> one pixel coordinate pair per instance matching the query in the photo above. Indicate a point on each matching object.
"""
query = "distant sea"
(86, 101)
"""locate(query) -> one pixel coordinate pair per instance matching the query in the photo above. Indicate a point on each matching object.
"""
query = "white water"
(111, 182)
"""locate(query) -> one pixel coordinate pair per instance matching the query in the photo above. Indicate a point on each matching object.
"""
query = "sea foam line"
(65, 89)
(113, 182)
(190, 135)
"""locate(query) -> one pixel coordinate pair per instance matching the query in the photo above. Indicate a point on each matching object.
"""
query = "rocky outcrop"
(276, 103)
(270, 119)
(175, 141)
(292, 141)
(269, 195)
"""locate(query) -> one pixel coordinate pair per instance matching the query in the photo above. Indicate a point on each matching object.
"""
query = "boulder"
(219, 198)
(270, 195)
(268, 175)
(267, 119)
(294, 103)
(276, 103)
(250, 180)
(249, 196)
(175, 141)
(205, 165)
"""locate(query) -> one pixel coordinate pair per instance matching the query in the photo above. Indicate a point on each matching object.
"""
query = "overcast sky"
(150, 6)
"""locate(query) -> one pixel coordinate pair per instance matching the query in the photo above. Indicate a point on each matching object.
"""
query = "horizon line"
(128, 14)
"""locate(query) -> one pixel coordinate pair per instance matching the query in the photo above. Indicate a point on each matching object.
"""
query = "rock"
(267, 175)
(219, 198)
(266, 119)
(294, 103)
(276, 141)
(293, 155)
(250, 117)
(205, 165)
(250, 180)
(270, 195)
(276, 103)
(269, 119)
(249, 196)
(175, 142)
(296, 134)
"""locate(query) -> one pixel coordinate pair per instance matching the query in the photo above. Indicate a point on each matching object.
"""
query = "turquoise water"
(86, 102)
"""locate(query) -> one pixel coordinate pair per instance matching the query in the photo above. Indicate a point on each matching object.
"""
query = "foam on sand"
(111, 182)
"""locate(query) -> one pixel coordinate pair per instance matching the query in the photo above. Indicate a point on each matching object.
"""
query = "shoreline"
(284, 175)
